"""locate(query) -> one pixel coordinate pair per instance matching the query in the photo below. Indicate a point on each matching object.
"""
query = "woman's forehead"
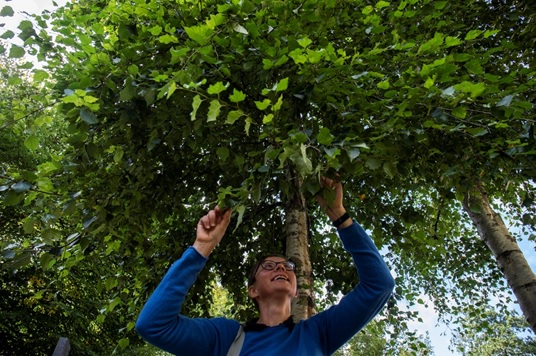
(275, 258)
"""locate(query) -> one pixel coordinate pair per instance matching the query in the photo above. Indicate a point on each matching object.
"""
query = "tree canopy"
(165, 108)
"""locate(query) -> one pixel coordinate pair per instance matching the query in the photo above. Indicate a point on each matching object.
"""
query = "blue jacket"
(161, 324)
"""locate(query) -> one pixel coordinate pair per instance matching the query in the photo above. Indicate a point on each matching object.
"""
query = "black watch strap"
(340, 220)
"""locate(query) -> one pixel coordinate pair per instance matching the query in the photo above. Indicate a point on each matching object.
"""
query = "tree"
(504, 338)
(411, 103)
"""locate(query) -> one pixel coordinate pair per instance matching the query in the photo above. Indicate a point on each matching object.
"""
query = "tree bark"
(297, 248)
(509, 256)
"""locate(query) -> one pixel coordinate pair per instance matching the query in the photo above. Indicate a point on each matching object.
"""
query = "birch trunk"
(509, 256)
(297, 248)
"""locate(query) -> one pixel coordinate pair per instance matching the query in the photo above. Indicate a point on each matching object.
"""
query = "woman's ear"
(252, 292)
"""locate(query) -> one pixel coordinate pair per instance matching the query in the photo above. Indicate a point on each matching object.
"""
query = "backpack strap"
(236, 346)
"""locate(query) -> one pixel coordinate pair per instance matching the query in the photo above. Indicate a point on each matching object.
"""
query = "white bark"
(509, 256)
(297, 248)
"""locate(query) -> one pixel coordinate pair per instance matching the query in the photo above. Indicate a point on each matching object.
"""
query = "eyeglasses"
(270, 265)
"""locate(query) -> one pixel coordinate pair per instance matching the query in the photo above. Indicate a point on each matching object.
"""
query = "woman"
(272, 286)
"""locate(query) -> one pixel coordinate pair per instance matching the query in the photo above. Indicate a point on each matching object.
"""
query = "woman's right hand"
(210, 230)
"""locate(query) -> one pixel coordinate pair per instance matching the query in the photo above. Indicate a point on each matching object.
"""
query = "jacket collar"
(252, 325)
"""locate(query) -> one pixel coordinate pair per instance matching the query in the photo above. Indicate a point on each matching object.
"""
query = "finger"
(226, 217)
(204, 222)
(212, 218)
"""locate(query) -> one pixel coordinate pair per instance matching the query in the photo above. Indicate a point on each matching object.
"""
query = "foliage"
(172, 106)
(374, 340)
(504, 336)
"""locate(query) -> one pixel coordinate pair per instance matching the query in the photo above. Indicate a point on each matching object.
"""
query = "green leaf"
(282, 60)
(167, 39)
(490, 33)
(118, 154)
(303, 164)
(213, 110)
(304, 42)
(44, 260)
(223, 153)
(263, 105)
(28, 226)
(237, 96)
(267, 64)
(278, 104)
(171, 89)
(200, 34)
(16, 51)
(155, 30)
(21, 261)
(12, 198)
(195, 106)
(39, 75)
(7, 11)
(332, 152)
(282, 85)
(478, 131)
(367, 10)
(128, 91)
(233, 115)
(382, 4)
(389, 169)
(433, 44)
(429, 83)
(440, 5)
(124, 342)
(14, 80)
(471, 35)
(88, 117)
(45, 184)
(115, 302)
(178, 53)
(215, 20)
(267, 119)
(474, 89)
(452, 41)
(353, 153)
(460, 112)
(298, 56)
(240, 210)
(373, 163)
(133, 70)
(384, 85)
(217, 88)
(32, 142)
(324, 137)
(8, 35)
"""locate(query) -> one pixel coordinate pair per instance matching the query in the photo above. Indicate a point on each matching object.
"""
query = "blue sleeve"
(340, 322)
(161, 324)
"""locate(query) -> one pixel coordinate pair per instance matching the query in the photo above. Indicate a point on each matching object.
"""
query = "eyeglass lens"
(271, 265)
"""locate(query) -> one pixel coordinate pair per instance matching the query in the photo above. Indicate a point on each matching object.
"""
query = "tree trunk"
(512, 262)
(297, 248)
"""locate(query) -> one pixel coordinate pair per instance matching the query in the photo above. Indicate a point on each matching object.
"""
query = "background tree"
(506, 336)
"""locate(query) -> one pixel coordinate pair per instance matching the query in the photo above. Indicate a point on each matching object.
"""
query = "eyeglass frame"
(284, 263)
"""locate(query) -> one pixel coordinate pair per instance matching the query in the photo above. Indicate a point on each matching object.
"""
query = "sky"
(439, 341)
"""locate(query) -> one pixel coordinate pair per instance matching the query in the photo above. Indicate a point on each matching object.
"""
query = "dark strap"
(236, 346)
